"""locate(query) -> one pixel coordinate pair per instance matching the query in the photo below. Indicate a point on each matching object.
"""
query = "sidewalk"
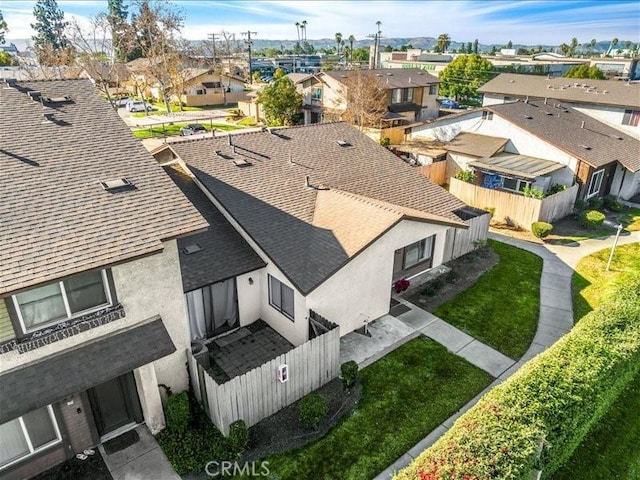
(556, 319)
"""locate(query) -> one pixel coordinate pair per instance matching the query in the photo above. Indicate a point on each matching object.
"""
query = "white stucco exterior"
(249, 287)
(625, 184)
(361, 290)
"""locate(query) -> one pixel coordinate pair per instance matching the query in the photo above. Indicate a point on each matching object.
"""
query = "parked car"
(448, 103)
(122, 102)
(139, 106)
(192, 129)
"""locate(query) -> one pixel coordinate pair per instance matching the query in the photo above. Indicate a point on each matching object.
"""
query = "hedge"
(541, 229)
(592, 219)
(537, 418)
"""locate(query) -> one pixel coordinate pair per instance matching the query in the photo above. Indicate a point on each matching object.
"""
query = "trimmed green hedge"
(548, 406)
(592, 219)
(541, 229)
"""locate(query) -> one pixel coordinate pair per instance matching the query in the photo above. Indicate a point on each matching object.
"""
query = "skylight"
(117, 185)
(241, 163)
(344, 143)
(191, 248)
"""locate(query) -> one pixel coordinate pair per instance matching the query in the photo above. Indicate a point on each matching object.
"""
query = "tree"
(463, 76)
(475, 46)
(360, 54)
(7, 60)
(572, 46)
(3, 28)
(50, 42)
(509, 44)
(366, 100)
(592, 43)
(120, 29)
(443, 42)
(351, 40)
(470, 48)
(338, 42)
(388, 48)
(585, 71)
(280, 102)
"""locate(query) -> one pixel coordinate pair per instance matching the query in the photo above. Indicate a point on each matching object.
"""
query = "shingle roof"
(56, 219)
(271, 202)
(596, 144)
(38, 384)
(224, 253)
(621, 94)
(391, 77)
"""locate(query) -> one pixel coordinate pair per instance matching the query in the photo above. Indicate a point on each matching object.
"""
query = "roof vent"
(549, 113)
(617, 137)
(34, 95)
(344, 143)
(389, 74)
(220, 154)
(528, 117)
(57, 100)
(586, 147)
(512, 81)
(242, 163)
(191, 248)
(117, 185)
(48, 116)
(9, 82)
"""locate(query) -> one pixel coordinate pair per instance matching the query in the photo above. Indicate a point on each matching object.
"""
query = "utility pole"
(378, 37)
(249, 42)
(212, 38)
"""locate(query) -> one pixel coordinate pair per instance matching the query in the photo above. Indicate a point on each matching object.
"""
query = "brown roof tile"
(56, 218)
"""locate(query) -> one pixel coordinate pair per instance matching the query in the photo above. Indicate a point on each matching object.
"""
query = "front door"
(115, 404)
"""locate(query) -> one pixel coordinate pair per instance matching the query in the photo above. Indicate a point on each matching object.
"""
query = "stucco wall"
(249, 296)
(362, 288)
(625, 185)
(612, 116)
(153, 286)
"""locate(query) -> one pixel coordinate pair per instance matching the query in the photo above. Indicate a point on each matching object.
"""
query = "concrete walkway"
(143, 460)
(556, 319)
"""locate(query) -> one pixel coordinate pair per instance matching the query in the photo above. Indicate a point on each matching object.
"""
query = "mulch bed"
(465, 271)
(92, 468)
(282, 431)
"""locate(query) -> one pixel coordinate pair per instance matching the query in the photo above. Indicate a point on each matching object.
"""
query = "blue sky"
(491, 21)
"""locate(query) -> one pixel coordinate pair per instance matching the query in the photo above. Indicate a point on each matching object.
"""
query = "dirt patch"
(282, 431)
(465, 271)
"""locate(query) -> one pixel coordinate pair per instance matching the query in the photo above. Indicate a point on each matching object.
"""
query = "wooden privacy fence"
(513, 208)
(259, 393)
(436, 172)
(459, 242)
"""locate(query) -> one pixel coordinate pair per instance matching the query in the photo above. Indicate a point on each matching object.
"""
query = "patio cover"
(38, 384)
(521, 166)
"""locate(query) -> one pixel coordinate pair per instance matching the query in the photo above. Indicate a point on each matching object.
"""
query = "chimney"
(306, 181)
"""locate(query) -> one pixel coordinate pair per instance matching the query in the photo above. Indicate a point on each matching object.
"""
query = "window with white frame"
(595, 183)
(487, 115)
(316, 93)
(55, 302)
(281, 297)
(514, 184)
(418, 252)
(631, 118)
(27, 435)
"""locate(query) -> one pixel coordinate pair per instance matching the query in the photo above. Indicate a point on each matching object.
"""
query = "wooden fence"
(513, 208)
(436, 172)
(259, 393)
(459, 242)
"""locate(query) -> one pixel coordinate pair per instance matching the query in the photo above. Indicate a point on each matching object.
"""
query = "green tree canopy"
(3, 28)
(50, 26)
(585, 71)
(280, 102)
(120, 29)
(360, 54)
(7, 60)
(443, 42)
(464, 75)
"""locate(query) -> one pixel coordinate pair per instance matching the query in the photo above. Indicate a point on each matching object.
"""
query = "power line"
(249, 42)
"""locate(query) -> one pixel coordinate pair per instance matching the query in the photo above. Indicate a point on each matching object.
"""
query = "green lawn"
(610, 451)
(631, 219)
(501, 308)
(405, 396)
(174, 129)
(591, 283)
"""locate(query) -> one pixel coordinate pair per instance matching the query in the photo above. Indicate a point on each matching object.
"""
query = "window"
(42, 306)
(27, 435)
(402, 95)
(487, 115)
(316, 93)
(281, 297)
(595, 183)
(433, 89)
(419, 252)
(514, 184)
(631, 118)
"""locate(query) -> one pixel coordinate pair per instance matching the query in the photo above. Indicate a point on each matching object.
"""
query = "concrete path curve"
(556, 319)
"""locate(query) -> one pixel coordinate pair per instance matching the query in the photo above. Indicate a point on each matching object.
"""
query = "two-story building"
(93, 325)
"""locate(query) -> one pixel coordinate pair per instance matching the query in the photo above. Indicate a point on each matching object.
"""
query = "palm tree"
(351, 40)
(304, 28)
(443, 42)
(298, 30)
(613, 43)
(338, 40)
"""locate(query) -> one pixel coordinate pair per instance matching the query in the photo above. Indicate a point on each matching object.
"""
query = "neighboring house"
(416, 58)
(93, 329)
(615, 103)
(411, 95)
(547, 144)
(310, 87)
(115, 77)
(195, 87)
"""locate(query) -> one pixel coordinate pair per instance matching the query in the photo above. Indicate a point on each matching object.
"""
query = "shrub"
(533, 192)
(312, 410)
(466, 176)
(541, 229)
(491, 210)
(177, 412)
(595, 202)
(385, 141)
(549, 405)
(555, 188)
(592, 219)
(610, 203)
(238, 436)
(349, 374)
(580, 204)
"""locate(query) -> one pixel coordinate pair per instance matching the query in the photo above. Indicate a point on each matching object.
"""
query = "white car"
(138, 106)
